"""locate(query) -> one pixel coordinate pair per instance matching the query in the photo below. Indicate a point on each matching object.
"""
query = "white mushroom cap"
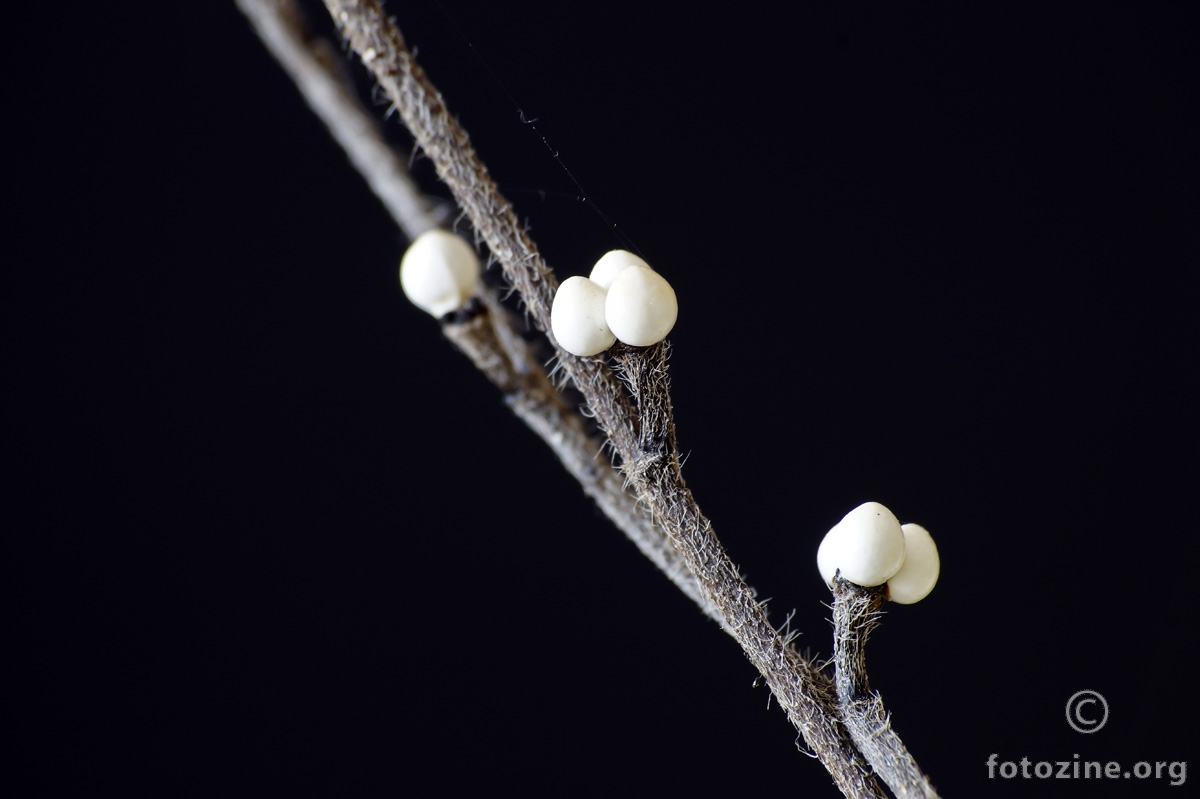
(826, 553)
(867, 546)
(577, 317)
(919, 574)
(438, 272)
(641, 307)
(613, 263)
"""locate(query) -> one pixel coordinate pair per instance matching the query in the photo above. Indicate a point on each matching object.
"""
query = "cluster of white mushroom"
(870, 547)
(438, 272)
(622, 298)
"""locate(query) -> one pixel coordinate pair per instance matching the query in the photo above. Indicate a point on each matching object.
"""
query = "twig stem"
(313, 65)
(489, 335)
(856, 612)
(653, 470)
(485, 337)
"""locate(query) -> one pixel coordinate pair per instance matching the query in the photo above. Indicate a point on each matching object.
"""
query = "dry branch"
(856, 612)
(313, 64)
(804, 693)
(485, 336)
(637, 421)
(489, 335)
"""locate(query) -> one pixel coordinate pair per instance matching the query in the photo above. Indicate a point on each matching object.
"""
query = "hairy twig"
(381, 47)
(488, 334)
(804, 694)
(643, 438)
(655, 471)
(856, 612)
(485, 336)
(313, 64)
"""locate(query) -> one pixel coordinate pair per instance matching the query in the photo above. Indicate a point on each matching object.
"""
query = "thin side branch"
(856, 612)
(313, 64)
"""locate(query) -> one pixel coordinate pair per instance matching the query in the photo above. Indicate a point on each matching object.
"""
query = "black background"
(271, 533)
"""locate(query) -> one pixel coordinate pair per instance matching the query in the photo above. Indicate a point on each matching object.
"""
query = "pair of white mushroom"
(870, 547)
(622, 298)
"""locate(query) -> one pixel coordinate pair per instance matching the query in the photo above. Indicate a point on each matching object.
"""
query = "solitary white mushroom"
(919, 574)
(438, 272)
(641, 307)
(867, 546)
(577, 317)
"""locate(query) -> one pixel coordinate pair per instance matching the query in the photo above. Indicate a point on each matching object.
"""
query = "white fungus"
(577, 317)
(867, 546)
(622, 299)
(438, 272)
(613, 263)
(641, 307)
(919, 574)
(826, 557)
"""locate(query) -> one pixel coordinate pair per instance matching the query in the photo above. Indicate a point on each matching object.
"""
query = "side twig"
(856, 612)
(312, 63)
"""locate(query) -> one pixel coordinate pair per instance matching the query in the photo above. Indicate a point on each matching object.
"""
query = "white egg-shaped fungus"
(641, 307)
(827, 557)
(613, 263)
(866, 546)
(438, 272)
(919, 573)
(577, 317)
